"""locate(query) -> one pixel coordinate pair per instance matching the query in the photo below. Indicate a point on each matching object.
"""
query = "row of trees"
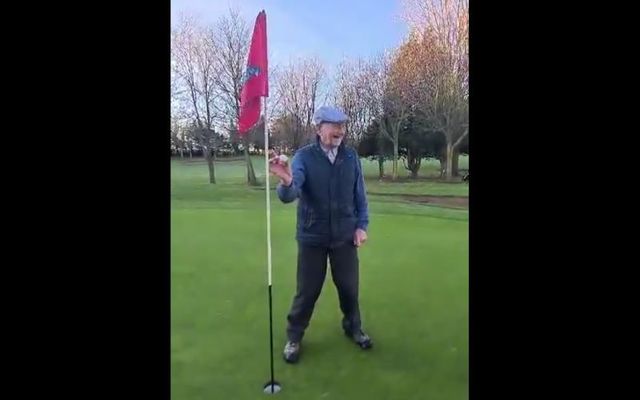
(404, 105)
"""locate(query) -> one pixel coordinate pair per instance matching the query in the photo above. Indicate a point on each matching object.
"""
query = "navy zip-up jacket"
(332, 197)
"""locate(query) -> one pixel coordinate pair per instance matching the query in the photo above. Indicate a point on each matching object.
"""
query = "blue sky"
(330, 29)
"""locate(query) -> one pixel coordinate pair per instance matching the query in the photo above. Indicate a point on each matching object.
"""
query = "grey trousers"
(312, 270)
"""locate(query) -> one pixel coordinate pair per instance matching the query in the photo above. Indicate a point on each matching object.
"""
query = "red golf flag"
(255, 80)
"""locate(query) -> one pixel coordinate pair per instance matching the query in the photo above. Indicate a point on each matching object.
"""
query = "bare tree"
(231, 37)
(439, 61)
(298, 87)
(192, 61)
(385, 100)
(179, 114)
(351, 95)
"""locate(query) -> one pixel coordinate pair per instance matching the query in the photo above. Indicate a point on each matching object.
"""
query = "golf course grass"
(413, 293)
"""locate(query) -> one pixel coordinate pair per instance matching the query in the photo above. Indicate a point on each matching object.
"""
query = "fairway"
(413, 293)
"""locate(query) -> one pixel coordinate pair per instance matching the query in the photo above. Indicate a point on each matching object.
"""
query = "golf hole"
(271, 388)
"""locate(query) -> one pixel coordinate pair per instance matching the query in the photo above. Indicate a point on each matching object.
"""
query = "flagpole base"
(272, 387)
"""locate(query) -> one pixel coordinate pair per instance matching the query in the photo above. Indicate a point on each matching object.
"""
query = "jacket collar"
(319, 147)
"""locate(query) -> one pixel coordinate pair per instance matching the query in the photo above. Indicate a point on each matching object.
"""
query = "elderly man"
(326, 177)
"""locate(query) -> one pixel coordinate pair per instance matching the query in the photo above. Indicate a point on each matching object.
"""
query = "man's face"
(331, 134)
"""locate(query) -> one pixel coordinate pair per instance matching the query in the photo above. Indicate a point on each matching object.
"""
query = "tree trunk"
(381, 141)
(393, 138)
(455, 153)
(413, 164)
(212, 171)
(181, 153)
(395, 160)
(456, 157)
(449, 168)
(251, 175)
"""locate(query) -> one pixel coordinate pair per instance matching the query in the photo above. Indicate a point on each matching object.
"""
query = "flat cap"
(329, 114)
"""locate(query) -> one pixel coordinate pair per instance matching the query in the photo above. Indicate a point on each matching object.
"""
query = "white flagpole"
(267, 190)
(272, 386)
